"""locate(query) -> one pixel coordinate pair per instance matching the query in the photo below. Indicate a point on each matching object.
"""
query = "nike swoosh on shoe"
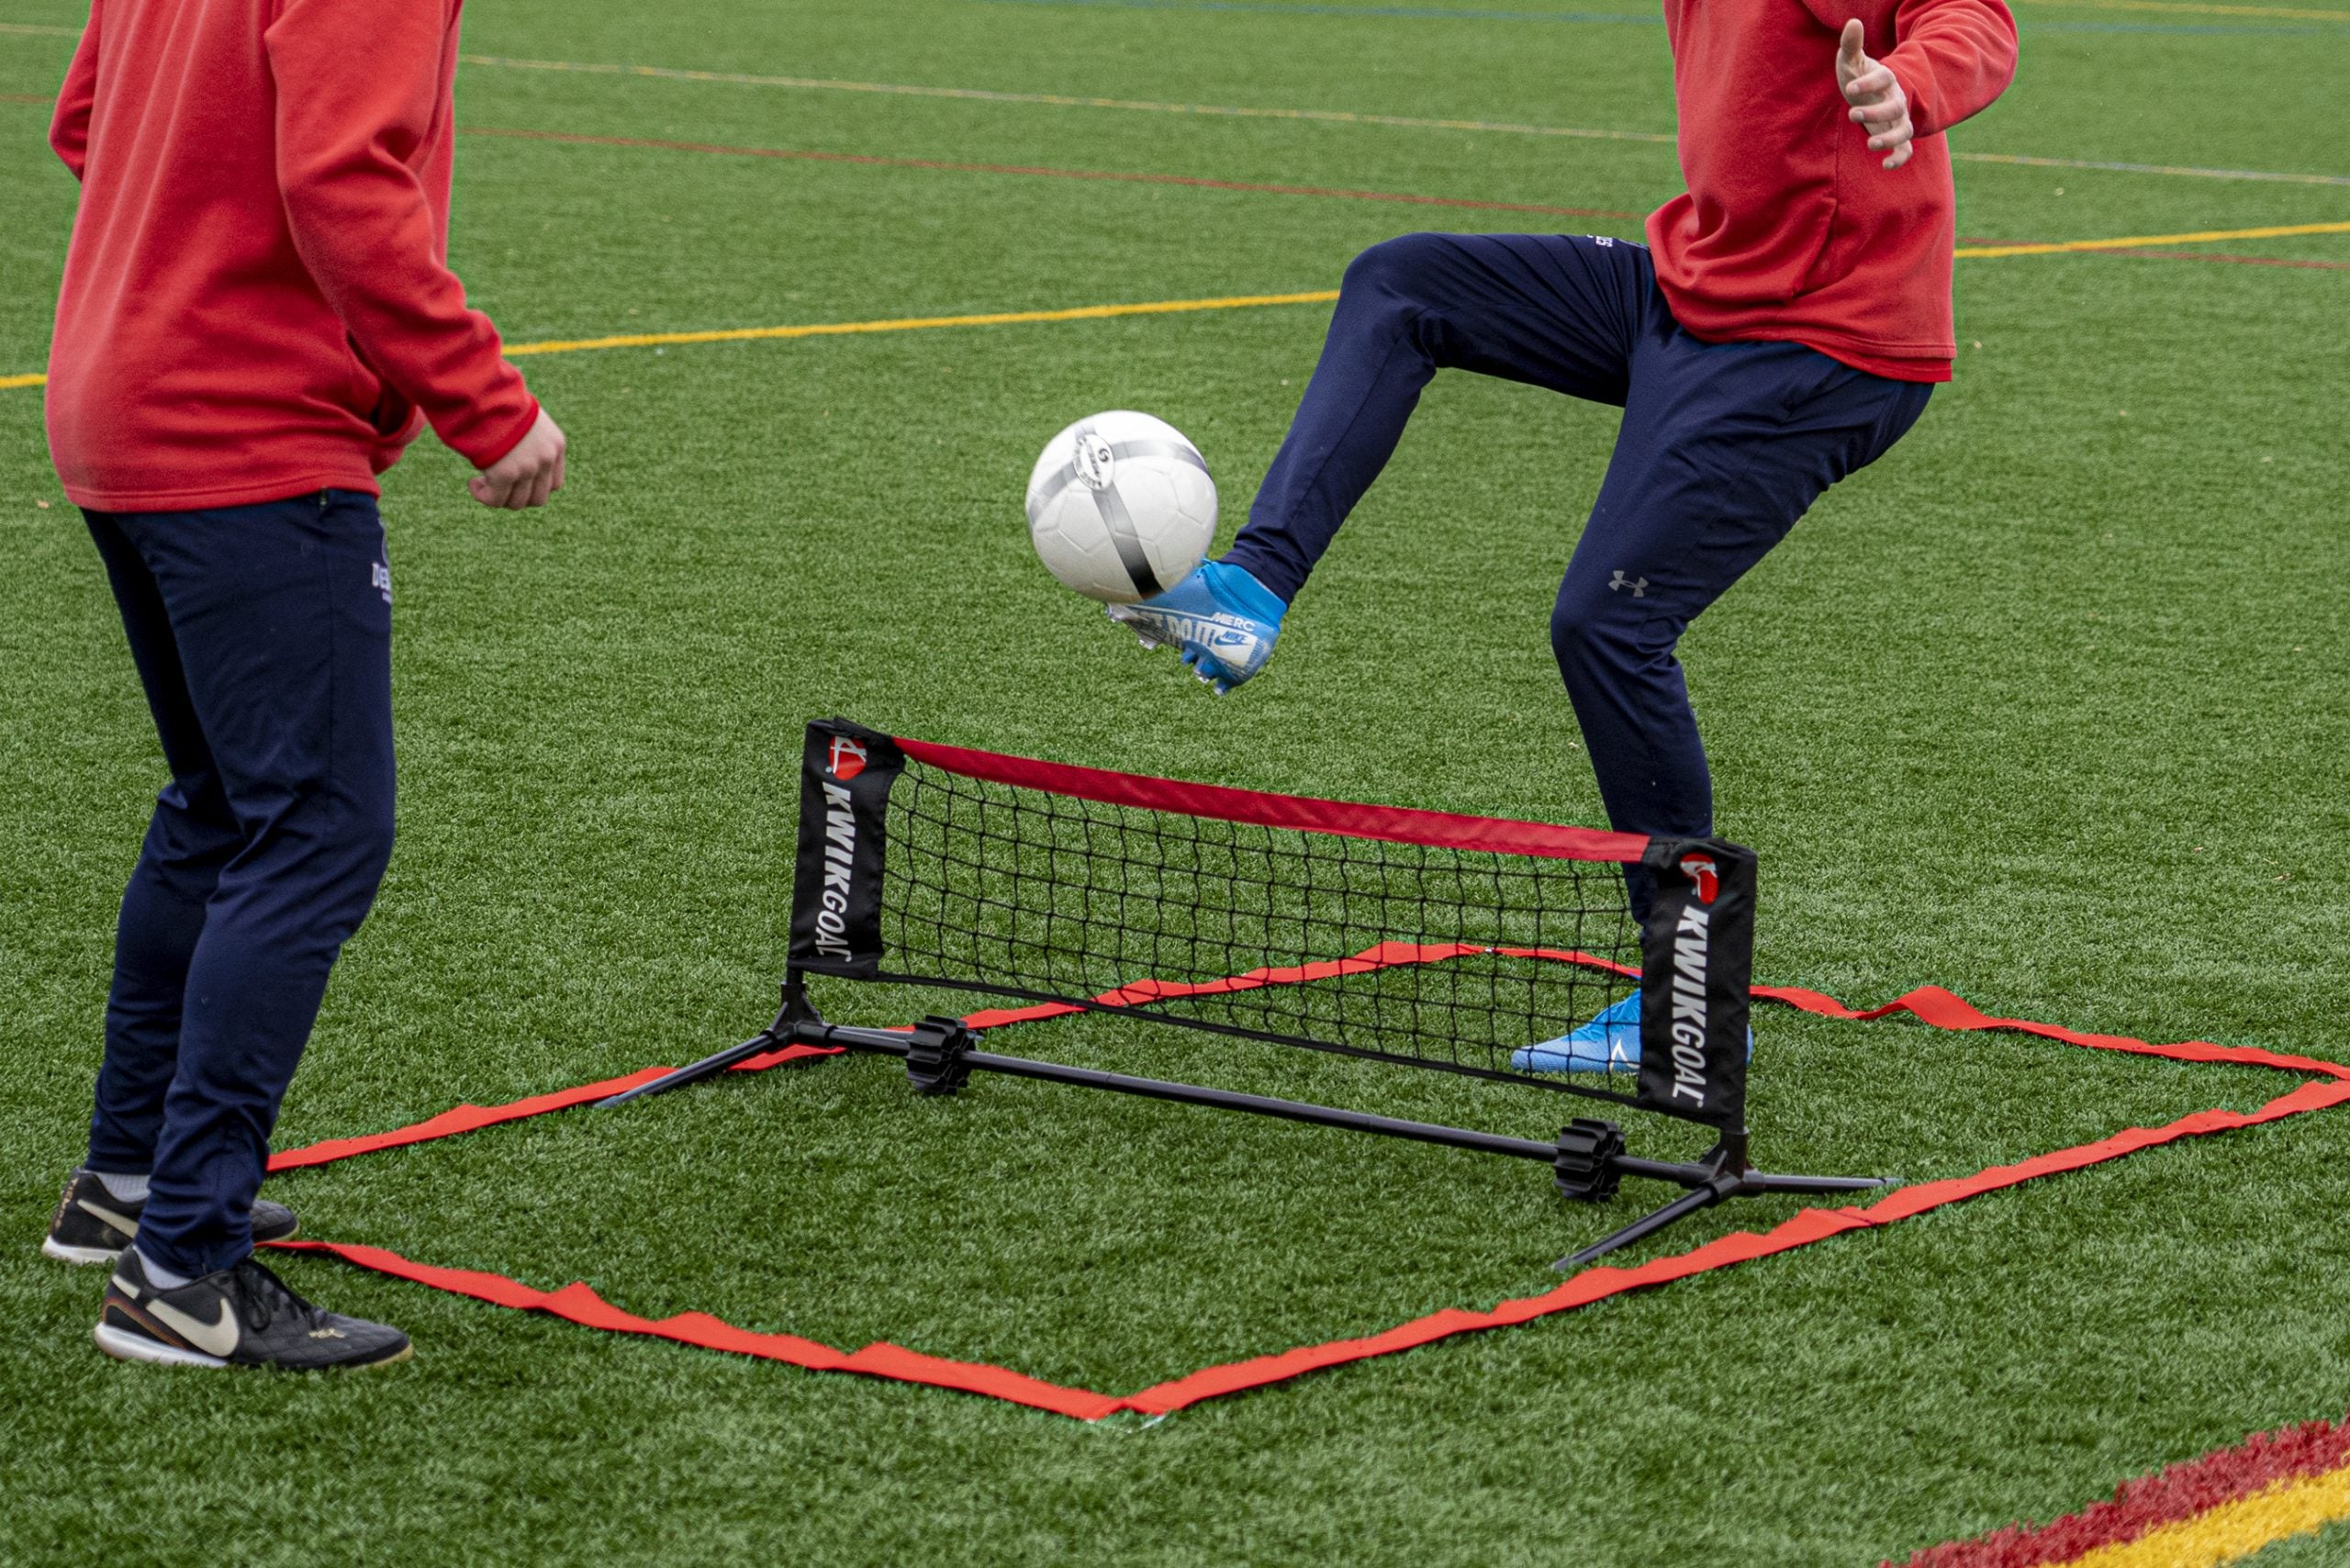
(108, 1217)
(215, 1338)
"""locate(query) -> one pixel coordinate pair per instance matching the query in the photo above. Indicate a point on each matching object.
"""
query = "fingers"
(547, 478)
(1871, 85)
(530, 486)
(1880, 115)
(494, 486)
(1879, 106)
(527, 475)
(534, 484)
(491, 487)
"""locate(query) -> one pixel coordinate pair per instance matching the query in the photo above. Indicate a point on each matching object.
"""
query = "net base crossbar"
(1587, 1158)
(1473, 946)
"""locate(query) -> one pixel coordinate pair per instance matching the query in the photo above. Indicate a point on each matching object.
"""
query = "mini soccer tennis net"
(1419, 938)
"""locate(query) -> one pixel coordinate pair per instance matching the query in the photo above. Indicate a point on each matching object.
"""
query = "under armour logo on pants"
(1639, 586)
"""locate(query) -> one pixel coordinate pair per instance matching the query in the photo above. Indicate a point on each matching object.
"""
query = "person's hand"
(527, 475)
(1879, 106)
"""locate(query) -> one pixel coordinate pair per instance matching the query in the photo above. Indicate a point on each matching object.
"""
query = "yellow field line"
(1231, 302)
(919, 323)
(32, 31)
(899, 324)
(2132, 242)
(2233, 1532)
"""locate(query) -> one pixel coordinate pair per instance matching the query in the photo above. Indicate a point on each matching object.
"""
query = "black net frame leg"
(1729, 1177)
(795, 1012)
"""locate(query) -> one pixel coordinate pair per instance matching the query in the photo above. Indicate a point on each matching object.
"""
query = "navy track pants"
(1723, 446)
(262, 635)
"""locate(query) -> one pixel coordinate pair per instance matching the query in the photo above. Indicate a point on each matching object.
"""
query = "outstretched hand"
(1879, 106)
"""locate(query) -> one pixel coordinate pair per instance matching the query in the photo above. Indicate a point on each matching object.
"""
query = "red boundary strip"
(1933, 1005)
(472, 1118)
(1195, 182)
(1306, 813)
(2180, 1492)
(578, 1304)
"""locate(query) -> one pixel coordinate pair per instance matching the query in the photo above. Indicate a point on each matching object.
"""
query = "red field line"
(1041, 171)
(2139, 1508)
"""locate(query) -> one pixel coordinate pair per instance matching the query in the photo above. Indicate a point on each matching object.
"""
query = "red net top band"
(1304, 813)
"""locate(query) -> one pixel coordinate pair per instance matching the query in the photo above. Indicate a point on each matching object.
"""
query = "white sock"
(158, 1275)
(123, 1188)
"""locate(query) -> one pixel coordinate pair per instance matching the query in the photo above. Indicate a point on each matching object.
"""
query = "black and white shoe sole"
(84, 1256)
(125, 1346)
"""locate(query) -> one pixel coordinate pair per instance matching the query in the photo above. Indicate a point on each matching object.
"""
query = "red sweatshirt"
(1791, 231)
(257, 301)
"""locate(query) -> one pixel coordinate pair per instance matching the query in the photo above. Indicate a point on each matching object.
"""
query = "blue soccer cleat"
(1609, 1043)
(1223, 619)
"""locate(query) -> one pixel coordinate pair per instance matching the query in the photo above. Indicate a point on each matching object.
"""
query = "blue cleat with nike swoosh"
(1610, 1042)
(1223, 619)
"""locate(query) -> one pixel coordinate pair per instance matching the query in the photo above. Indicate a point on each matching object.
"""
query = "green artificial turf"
(2049, 706)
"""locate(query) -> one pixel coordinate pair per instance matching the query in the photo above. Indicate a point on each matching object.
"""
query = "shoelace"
(263, 1294)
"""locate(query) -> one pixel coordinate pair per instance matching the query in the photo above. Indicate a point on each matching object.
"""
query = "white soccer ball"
(1121, 506)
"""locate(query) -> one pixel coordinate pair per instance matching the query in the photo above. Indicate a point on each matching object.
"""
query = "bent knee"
(1394, 266)
(1609, 623)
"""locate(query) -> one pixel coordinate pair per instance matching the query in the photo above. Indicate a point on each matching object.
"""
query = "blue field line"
(1634, 19)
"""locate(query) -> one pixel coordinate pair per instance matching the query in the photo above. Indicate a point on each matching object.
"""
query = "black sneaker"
(242, 1316)
(92, 1226)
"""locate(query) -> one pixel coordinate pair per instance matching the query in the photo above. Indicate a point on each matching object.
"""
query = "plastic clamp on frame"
(1585, 1163)
(935, 1056)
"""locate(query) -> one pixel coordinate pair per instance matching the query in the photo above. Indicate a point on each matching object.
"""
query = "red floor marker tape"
(472, 1118)
(1930, 1004)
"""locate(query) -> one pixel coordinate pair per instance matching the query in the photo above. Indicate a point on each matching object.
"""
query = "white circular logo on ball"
(1096, 463)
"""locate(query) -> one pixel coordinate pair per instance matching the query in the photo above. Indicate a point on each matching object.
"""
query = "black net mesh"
(1434, 956)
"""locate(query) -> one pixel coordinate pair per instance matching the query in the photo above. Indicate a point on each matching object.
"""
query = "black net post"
(1696, 981)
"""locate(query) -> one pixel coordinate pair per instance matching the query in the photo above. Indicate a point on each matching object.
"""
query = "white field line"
(1319, 117)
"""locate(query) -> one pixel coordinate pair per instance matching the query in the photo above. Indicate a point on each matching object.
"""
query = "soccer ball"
(1121, 506)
